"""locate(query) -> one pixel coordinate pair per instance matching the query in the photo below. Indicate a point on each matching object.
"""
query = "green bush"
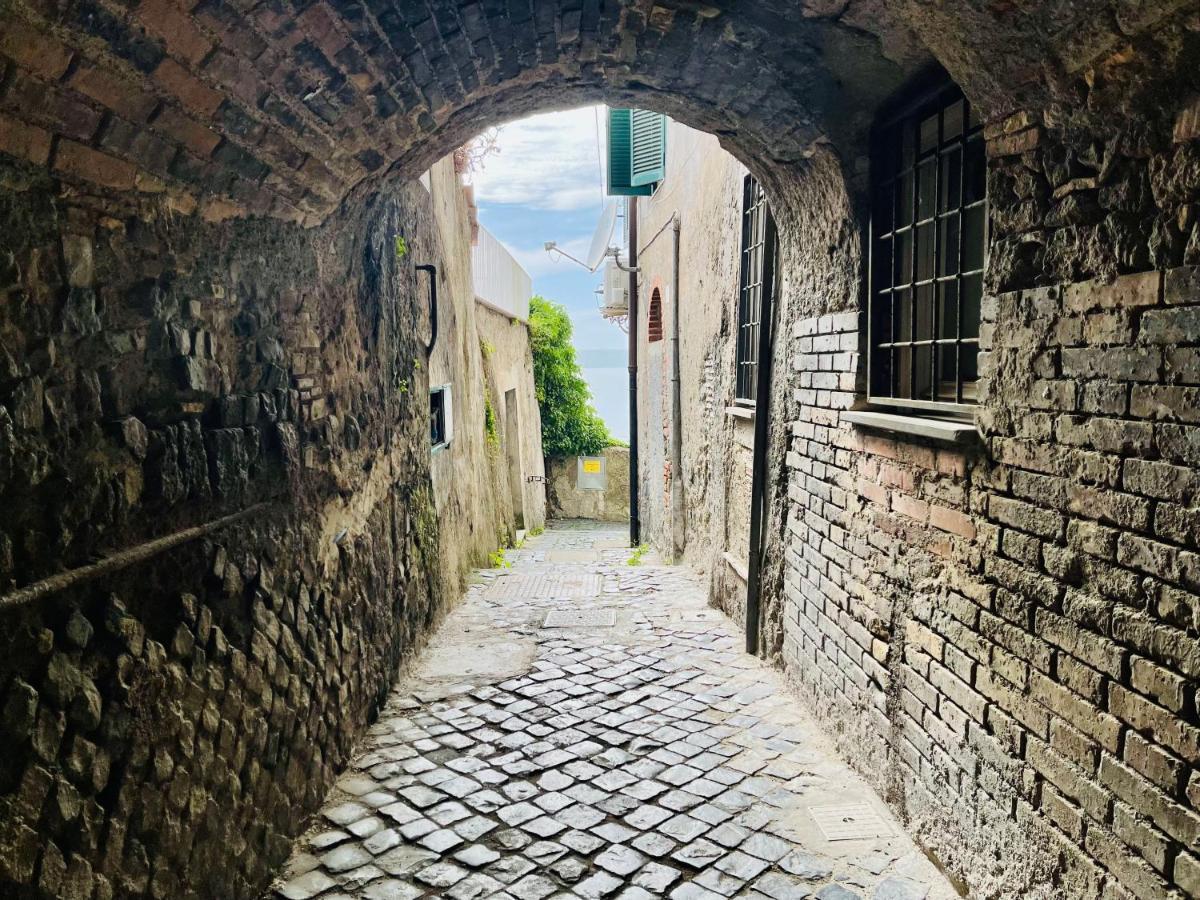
(570, 425)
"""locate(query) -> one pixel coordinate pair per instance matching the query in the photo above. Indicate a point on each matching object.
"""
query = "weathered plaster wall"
(1005, 638)
(517, 444)
(470, 483)
(703, 187)
(565, 500)
(167, 728)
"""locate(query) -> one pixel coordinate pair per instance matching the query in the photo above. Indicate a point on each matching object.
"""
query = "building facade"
(694, 467)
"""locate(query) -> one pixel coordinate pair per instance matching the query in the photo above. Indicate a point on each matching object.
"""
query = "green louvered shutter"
(648, 164)
(620, 156)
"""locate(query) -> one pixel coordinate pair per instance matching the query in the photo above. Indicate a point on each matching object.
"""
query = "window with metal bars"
(757, 282)
(928, 247)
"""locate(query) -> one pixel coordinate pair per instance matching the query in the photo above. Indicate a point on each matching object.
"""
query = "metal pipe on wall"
(758, 477)
(678, 511)
(635, 524)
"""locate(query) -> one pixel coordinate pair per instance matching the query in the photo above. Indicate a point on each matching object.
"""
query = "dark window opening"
(438, 435)
(758, 271)
(654, 325)
(928, 244)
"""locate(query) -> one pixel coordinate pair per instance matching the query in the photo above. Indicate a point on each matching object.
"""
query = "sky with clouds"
(544, 184)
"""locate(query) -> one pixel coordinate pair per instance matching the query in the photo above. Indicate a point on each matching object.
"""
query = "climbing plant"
(570, 425)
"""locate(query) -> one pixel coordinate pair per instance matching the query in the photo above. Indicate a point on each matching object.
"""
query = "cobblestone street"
(581, 727)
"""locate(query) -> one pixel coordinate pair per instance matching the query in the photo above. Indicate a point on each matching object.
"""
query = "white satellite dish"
(601, 243)
(602, 237)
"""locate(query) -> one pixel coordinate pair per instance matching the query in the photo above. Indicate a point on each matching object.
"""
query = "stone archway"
(206, 304)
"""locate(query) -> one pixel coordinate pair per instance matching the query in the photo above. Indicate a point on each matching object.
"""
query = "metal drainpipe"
(635, 524)
(758, 483)
(678, 526)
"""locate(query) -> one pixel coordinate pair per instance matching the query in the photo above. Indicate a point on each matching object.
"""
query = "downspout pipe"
(431, 270)
(758, 484)
(678, 524)
(635, 524)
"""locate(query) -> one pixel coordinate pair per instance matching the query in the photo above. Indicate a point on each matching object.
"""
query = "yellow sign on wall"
(591, 466)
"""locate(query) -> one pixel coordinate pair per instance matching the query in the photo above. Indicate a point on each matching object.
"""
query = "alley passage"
(581, 727)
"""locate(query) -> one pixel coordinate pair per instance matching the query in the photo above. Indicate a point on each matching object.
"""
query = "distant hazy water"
(610, 396)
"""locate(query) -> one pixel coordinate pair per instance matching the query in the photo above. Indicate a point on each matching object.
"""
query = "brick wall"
(1005, 637)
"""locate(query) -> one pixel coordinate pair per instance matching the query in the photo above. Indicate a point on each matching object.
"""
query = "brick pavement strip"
(649, 759)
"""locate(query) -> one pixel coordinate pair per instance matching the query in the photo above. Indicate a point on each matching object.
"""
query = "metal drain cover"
(852, 822)
(580, 618)
(545, 586)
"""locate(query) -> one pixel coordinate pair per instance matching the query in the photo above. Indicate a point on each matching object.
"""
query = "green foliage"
(497, 561)
(489, 419)
(635, 558)
(570, 426)
(401, 247)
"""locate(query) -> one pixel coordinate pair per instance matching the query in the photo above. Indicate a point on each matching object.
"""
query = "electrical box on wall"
(591, 473)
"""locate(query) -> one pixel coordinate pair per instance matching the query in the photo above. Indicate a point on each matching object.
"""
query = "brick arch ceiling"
(282, 107)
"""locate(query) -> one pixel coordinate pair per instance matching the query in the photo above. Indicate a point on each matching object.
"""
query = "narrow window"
(441, 421)
(758, 271)
(654, 318)
(928, 244)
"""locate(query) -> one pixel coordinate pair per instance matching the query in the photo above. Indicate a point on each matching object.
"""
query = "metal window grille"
(928, 248)
(758, 268)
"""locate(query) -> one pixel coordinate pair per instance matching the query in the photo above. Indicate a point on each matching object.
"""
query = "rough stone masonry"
(1006, 636)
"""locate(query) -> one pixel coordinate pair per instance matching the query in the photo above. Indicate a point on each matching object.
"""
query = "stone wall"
(565, 500)
(710, 528)
(168, 727)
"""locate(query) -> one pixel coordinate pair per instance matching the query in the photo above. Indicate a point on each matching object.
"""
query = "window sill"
(740, 412)
(945, 430)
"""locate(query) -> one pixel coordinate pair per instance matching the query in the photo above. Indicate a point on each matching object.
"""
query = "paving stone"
(345, 857)
(683, 828)
(836, 892)
(405, 859)
(765, 846)
(382, 841)
(308, 885)
(698, 854)
(600, 884)
(741, 865)
(476, 855)
(581, 841)
(781, 887)
(655, 877)
(654, 844)
(895, 888)
(620, 860)
(719, 882)
(441, 875)
(391, 889)
(345, 813)
(806, 865)
(570, 869)
(474, 886)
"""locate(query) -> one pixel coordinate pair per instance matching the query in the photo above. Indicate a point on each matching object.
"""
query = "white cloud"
(548, 161)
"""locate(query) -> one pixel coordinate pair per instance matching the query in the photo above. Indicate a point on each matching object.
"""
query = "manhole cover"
(853, 822)
(580, 618)
(545, 586)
